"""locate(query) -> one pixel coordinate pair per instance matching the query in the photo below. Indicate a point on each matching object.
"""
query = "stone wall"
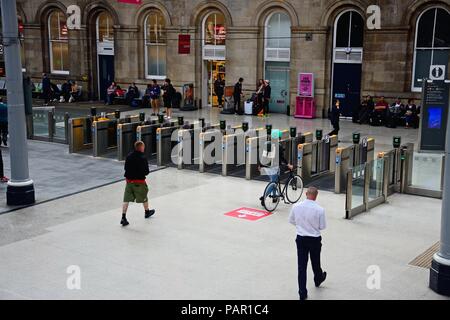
(387, 62)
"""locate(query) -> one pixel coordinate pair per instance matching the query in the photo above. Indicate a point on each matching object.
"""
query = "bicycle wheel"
(294, 189)
(271, 201)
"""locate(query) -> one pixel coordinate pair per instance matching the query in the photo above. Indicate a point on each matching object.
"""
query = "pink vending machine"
(305, 103)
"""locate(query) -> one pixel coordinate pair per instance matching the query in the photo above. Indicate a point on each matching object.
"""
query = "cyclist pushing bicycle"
(293, 189)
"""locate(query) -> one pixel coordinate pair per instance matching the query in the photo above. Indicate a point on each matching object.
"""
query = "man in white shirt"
(309, 219)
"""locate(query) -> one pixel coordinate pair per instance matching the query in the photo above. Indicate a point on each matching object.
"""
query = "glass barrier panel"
(427, 171)
(60, 126)
(376, 179)
(40, 122)
(358, 186)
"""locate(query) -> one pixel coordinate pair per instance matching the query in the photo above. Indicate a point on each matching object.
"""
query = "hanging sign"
(184, 44)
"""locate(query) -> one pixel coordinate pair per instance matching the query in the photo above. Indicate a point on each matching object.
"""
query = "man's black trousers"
(308, 247)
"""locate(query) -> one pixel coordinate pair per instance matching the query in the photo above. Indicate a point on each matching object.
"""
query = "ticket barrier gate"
(166, 147)
(127, 135)
(256, 148)
(188, 148)
(104, 135)
(317, 160)
(80, 134)
(234, 152)
(211, 149)
(351, 157)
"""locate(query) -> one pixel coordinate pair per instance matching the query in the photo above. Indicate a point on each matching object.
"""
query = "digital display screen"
(435, 118)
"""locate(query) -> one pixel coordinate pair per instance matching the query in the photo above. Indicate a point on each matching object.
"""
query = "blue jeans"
(273, 189)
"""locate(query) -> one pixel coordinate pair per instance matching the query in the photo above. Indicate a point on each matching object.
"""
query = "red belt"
(137, 181)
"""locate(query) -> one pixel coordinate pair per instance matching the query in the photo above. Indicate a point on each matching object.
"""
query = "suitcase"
(248, 109)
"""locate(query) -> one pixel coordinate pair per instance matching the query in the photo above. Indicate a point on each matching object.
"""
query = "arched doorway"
(347, 60)
(277, 58)
(432, 44)
(213, 55)
(105, 52)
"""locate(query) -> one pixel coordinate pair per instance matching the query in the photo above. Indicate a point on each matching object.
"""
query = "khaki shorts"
(135, 192)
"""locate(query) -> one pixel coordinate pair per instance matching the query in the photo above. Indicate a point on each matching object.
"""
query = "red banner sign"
(184, 44)
(131, 1)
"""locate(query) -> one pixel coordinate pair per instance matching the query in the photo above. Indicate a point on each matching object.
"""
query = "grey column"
(20, 189)
(440, 269)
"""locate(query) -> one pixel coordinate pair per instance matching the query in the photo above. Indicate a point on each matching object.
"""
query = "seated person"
(55, 92)
(133, 93)
(411, 115)
(65, 91)
(111, 93)
(74, 92)
(120, 93)
(379, 113)
(147, 95)
(395, 113)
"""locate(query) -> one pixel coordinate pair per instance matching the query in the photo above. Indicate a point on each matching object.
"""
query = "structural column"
(440, 268)
(20, 189)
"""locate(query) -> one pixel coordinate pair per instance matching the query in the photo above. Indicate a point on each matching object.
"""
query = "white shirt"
(309, 218)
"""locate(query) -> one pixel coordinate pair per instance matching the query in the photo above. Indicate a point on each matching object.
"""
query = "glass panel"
(342, 30)
(65, 55)
(54, 27)
(425, 29)
(40, 122)
(376, 179)
(273, 31)
(357, 32)
(56, 48)
(152, 60)
(60, 126)
(423, 61)
(105, 27)
(155, 28)
(358, 186)
(215, 30)
(442, 35)
(162, 60)
(441, 57)
(427, 171)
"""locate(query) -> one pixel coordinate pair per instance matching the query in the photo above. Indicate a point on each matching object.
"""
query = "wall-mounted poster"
(306, 84)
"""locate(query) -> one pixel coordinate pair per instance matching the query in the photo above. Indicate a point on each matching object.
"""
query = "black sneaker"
(304, 298)
(149, 213)
(124, 222)
(322, 281)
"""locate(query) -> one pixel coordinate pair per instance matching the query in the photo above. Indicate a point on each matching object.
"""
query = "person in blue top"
(155, 95)
(3, 123)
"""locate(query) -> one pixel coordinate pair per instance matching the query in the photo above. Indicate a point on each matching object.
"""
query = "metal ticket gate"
(211, 147)
(166, 147)
(352, 157)
(80, 134)
(127, 135)
(105, 137)
(317, 160)
(234, 152)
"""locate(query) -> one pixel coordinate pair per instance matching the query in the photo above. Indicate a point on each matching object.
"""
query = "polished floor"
(192, 250)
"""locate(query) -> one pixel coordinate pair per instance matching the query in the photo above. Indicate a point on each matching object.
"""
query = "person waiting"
(395, 113)
(74, 92)
(378, 117)
(260, 96)
(237, 95)
(411, 115)
(267, 96)
(111, 93)
(335, 115)
(132, 93)
(364, 111)
(3, 123)
(146, 97)
(46, 89)
(219, 90)
(155, 96)
(65, 91)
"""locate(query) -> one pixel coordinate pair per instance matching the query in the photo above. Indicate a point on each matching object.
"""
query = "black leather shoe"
(304, 298)
(124, 222)
(322, 281)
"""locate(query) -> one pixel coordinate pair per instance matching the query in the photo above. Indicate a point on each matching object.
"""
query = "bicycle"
(291, 193)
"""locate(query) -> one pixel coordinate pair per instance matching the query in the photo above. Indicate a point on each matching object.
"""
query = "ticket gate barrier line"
(165, 146)
(234, 152)
(252, 155)
(80, 134)
(126, 138)
(211, 148)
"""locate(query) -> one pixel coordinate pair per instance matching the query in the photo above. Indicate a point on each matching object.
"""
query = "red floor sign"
(248, 214)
